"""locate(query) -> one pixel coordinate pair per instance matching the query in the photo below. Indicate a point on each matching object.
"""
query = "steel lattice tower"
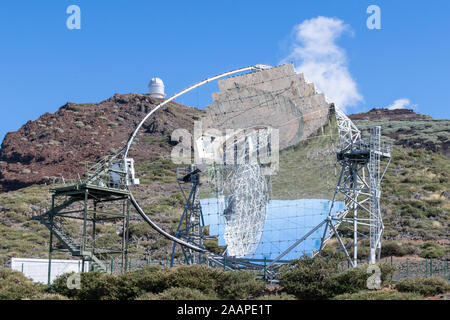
(359, 185)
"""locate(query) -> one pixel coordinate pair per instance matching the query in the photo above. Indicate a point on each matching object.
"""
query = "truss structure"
(191, 225)
(101, 196)
(360, 184)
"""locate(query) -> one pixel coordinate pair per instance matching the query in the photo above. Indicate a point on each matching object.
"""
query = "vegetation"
(415, 199)
(434, 250)
(14, 286)
(321, 278)
(308, 278)
(379, 295)
(186, 282)
(176, 293)
(398, 249)
(416, 133)
(158, 170)
(426, 287)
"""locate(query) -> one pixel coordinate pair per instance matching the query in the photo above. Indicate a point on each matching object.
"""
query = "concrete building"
(37, 269)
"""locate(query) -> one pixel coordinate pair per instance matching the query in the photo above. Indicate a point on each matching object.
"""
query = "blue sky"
(123, 44)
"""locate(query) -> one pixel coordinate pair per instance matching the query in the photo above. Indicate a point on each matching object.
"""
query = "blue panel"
(286, 222)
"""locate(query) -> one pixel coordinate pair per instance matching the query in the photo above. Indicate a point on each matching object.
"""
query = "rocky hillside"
(56, 145)
(408, 129)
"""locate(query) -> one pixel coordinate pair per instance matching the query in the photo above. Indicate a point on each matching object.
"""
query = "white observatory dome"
(156, 88)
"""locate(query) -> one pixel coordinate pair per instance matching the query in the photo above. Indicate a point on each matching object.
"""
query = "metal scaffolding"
(360, 185)
(191, 225)
(84, 202)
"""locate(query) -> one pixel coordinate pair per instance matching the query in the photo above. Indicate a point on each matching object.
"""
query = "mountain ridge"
(56, 144)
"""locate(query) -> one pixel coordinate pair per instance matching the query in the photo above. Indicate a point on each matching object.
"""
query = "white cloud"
(317, 56)
(402, 103)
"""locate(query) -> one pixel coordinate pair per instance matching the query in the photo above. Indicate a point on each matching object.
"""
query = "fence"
(421, 269)
(405, 267)
(412, 267)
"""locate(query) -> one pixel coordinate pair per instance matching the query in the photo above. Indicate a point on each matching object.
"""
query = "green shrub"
(128, 286)
(184, 293)
(123, 287)
(426, 287)
(92, 287)
(320, 278)
(151, 279)
(234, 285)
(387, 270)
(349, 281)
(379, 295)
(432, 250)
(306, 278)
(392, 248)
(281, 296)
(48, 296)
(195, 277)
(148, 296)
(139, 229)
(434, 253)
(15, 286)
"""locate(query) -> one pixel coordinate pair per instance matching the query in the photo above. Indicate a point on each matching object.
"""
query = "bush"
(435, 253)
(392, 248)
(387, 270)
(93, 286)
(426, 287)
(195, 277)
(234, 285)
(48, 296)
(432, 250)
(139, 229)
(320, 278)
(130, 285)
(281, 296)
(123, 287)
(307, 278)
(148, 296)
(183, 294)
(349, 281)
(15, 286)
(151, 279)
(379, 295)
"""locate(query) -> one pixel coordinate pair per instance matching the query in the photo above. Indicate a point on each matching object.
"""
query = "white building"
(156, 88)
(37, 269)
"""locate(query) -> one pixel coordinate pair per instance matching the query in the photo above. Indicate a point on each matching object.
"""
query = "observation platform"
(94, 191)
(361, 152)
